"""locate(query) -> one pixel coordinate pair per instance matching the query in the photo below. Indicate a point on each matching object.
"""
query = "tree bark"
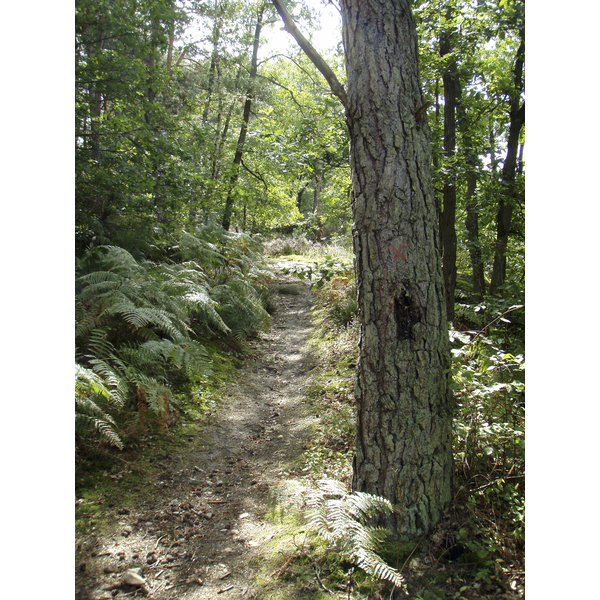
(404, 407)
(403, 440)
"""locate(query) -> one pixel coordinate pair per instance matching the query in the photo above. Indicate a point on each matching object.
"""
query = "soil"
(200, 535)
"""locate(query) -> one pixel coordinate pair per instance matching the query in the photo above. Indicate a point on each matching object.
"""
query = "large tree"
(404, 407)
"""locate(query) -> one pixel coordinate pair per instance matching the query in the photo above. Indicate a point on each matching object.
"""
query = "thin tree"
(452, 91)
(507, 197)
(404, 407)
(239, 152)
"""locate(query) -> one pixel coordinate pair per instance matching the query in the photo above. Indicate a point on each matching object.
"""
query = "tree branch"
(336, 87)
(255, 175)
(269, 79)
(182, 56)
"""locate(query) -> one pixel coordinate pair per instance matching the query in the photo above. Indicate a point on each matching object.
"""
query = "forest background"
(37, 244)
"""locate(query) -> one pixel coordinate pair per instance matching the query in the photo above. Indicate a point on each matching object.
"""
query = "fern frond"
(106, 377)
(89, 415)
(142, 317)
(240, 307)
(120, 261)
(184, 355)
(155, 392)
(206, 307)
(197, 246)
(84, 424)
(341, 518)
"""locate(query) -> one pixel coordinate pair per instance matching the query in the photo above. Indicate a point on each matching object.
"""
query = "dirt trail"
(199, 536)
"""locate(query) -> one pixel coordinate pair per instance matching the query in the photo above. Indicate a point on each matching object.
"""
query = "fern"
(342, 518)
(241, 308)
(137, 320)
(156, 353)
(142, 317)
(90, 392)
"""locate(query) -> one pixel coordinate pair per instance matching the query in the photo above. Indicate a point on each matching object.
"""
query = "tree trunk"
(404, 407)
(95, 105)
(221, 138)
(214, 59)
(505, 205)
(403, 442)
(448, 216)
(150, 120)
(472, 218)
(239, 152)
(472, 225)
(318, 206)
(299, 196)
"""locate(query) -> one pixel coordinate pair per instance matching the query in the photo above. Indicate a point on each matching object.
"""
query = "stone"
(131, 578)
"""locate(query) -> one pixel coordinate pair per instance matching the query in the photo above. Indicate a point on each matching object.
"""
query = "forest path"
(200, 535)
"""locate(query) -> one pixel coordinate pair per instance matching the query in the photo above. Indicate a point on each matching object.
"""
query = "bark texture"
(404, 414)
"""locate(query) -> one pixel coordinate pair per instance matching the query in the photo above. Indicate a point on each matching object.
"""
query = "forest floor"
(214, 509)
(199, 534)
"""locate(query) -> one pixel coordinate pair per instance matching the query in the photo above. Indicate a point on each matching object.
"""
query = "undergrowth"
(143, 327)
(106, 477)
(477, 551)
(307, 249)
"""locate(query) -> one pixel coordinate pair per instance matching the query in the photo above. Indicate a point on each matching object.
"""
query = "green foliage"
(489, 439)
(236, 272)
(490, 390)
(140, 323)
(342, 518)
(92, 395)
(322, 271)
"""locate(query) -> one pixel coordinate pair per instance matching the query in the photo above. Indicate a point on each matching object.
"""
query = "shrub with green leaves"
(489, 387)
(489, 434)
